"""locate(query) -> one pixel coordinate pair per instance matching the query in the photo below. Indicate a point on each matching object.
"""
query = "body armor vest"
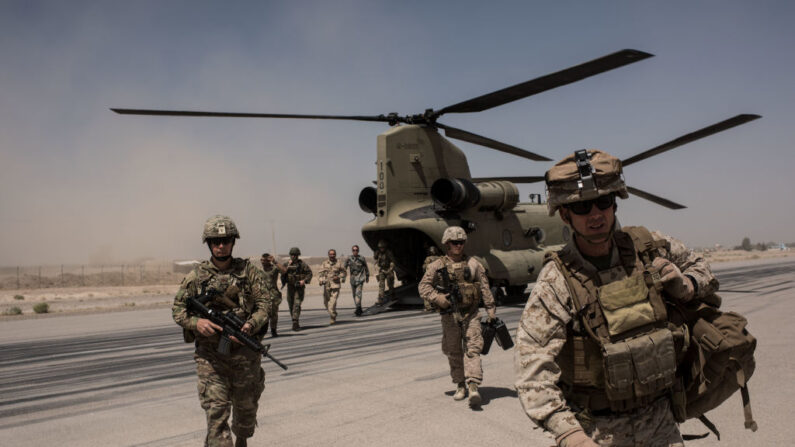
(620, 351)
(462, 273)
(296, 272)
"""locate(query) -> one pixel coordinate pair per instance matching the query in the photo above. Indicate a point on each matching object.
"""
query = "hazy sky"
(79, 183)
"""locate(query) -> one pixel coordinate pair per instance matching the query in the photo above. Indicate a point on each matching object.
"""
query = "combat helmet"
(584, 175)
(454, 234)
(295, 251)
(219, 226)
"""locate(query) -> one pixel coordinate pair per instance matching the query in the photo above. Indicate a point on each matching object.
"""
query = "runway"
(127, 378)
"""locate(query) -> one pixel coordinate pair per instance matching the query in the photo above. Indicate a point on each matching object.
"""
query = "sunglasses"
(221, 240)
(457, 242)
(583, 208)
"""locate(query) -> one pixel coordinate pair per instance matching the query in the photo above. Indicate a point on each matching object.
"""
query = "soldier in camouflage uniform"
(462, 341)
(595, 355)
(385, 262)
(296, 276)
(332, 275)
(229, 383)
(360, 274)
(272, 270)
(433, 254)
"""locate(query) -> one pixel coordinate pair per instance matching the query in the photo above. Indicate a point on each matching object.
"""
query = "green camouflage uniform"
(463, 356)
(271, 277)
(331, 276)
(385, 262)
(226, 383)
(295, 293)
(360, 273)
(546, 321)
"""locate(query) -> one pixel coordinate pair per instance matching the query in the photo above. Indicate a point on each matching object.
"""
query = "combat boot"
(241, 442)
(460, 391)
(474, 396)
(273, 332)
(358, 312)
(332, 320)
(296, 327)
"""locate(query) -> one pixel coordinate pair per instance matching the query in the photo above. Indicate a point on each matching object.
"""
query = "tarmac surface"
(127, 378)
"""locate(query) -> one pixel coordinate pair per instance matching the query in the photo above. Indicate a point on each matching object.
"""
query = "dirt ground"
(71, 300)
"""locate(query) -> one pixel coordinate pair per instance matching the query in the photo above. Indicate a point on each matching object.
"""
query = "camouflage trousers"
(229, 385)
(463, 355)
(273, 313)
(295, 297)
(386, 279)
(356, 289)
(649, 426)
(330, 301)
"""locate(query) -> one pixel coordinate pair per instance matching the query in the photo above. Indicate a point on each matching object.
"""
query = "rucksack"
(719, 358)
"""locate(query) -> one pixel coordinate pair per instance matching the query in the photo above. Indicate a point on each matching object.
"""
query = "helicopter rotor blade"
(693, 136)
(520, 179)
(470, 137)
(656, 199)
(548, 82)
(381, 118)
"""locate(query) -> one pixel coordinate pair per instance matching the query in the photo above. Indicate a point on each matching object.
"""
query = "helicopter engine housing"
(461, 194)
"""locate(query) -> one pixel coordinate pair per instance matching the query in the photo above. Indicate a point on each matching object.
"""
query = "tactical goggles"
(584, 207)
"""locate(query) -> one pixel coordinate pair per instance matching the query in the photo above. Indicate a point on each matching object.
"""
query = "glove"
(442, 302)
(576, 438)
(675, 283)
(492, 315)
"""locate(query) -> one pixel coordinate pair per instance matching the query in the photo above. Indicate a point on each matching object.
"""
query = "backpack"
(719, 358)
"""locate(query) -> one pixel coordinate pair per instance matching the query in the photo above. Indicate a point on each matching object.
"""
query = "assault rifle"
(232, 327)
(451, 289)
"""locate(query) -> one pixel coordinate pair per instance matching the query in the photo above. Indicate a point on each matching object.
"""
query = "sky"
(80, 184)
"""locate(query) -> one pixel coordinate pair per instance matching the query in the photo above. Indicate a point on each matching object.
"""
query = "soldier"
(272, 270)
(433, 254)
(595, 357)
(332, 274)
(296, 276)
(360, 274)
(462, 341)
(235, 380)
(385, 262)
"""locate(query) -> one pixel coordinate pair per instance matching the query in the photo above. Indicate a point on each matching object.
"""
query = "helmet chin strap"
(595, 239)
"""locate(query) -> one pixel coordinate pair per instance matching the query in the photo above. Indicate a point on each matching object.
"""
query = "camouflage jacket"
(385, 261)
(548, 316)
(252, 294)
(428, 290)
(332, 274)
(296, 272)
(428, 261)
(271, 276)
(357, 265)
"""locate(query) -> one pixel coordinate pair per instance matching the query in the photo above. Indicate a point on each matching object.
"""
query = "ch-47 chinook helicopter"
(423, 185)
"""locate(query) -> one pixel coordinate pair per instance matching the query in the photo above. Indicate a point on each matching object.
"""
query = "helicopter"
(424, 184)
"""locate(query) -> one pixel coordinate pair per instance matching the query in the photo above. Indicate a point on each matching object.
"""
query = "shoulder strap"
(645, 244)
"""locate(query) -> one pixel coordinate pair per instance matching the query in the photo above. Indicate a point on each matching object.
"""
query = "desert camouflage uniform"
(429, 306)
(271, 276)
(464, 357)
(227, 383)
(542, 331)
(331, 276)
(295, 293)
(359, 274)
(385, 262)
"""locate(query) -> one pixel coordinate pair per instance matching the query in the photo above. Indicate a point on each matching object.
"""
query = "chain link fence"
(38, 277)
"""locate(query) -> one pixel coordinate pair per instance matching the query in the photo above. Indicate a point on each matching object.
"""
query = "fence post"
(83, 275)
(122, 274)
(61, 275)
(39, 277)
(101, 275)
(17, 277)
